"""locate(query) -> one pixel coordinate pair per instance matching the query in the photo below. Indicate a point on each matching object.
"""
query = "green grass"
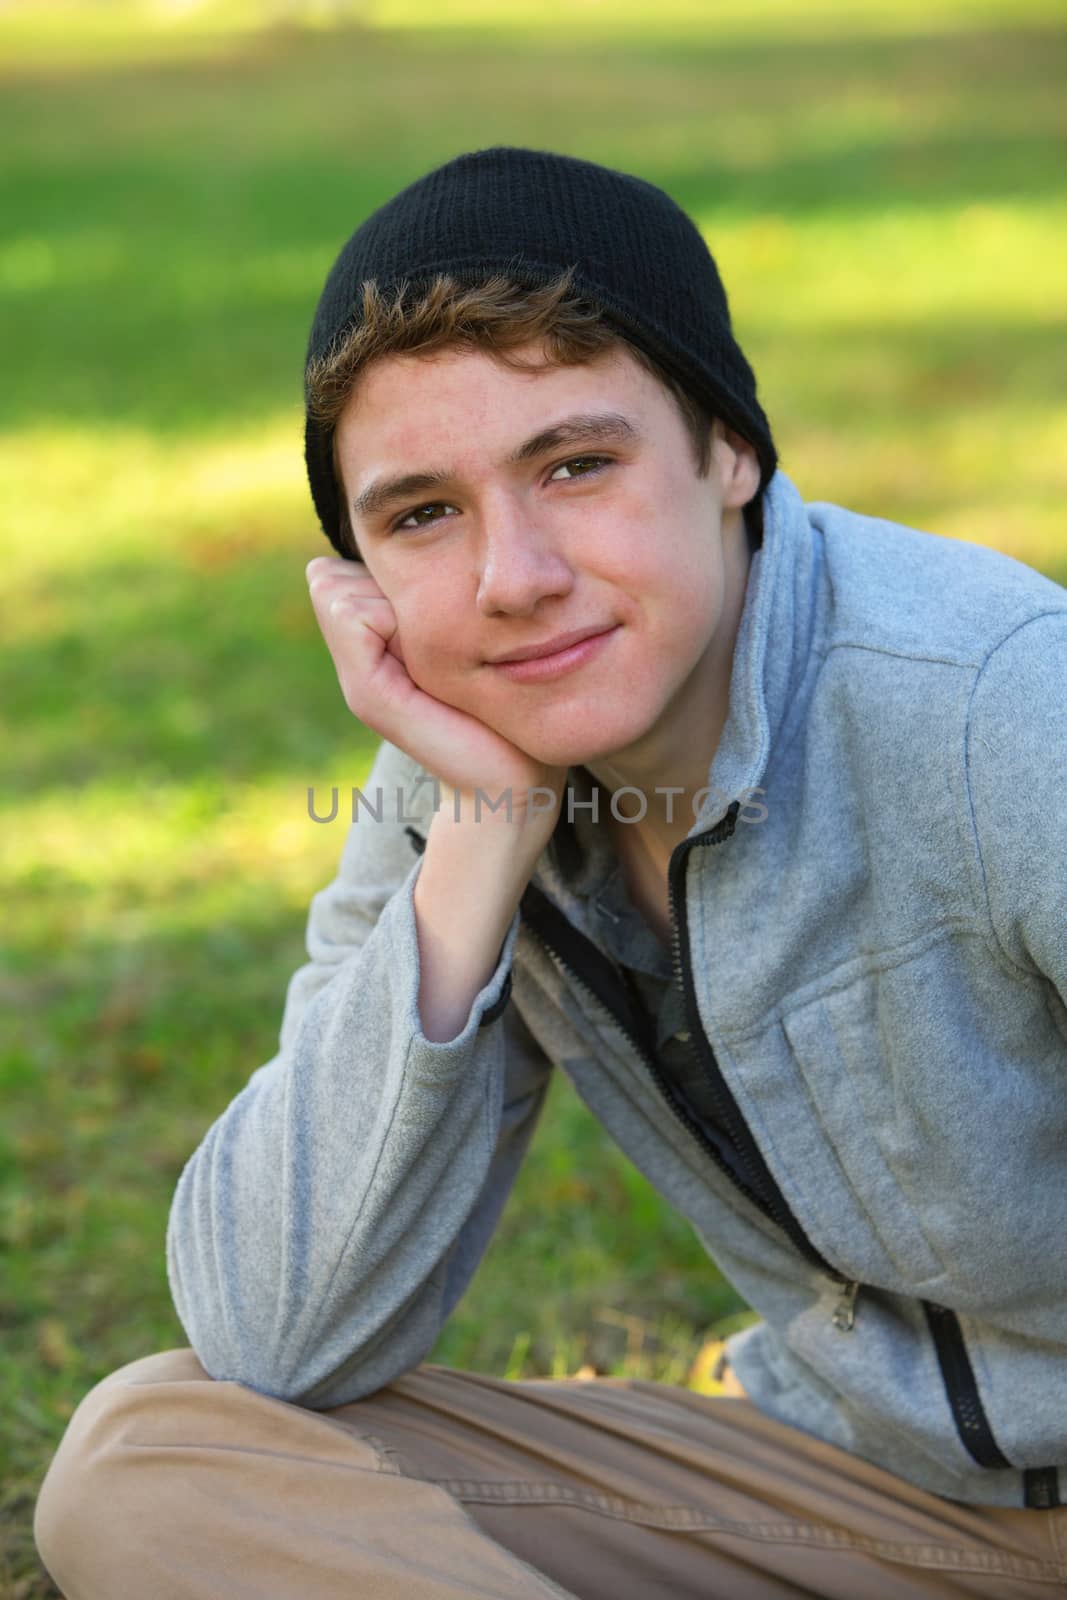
(884, 196)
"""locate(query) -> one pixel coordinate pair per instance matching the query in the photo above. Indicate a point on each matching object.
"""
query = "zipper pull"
(844, 1315)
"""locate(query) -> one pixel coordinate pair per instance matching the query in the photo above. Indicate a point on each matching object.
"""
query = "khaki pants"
(447, 1486)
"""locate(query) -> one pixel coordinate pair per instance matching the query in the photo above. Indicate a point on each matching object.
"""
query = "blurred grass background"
(882, 186)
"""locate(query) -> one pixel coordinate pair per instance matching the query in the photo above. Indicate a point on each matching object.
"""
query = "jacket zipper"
(961, 1386)
(1041, 1485)
(726, 1108)
(545, 921)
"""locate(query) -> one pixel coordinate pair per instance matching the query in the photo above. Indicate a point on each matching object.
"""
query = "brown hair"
(496, 315)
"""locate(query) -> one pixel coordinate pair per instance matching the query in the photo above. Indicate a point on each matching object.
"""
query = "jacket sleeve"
(1017, 778)
(333, 1215)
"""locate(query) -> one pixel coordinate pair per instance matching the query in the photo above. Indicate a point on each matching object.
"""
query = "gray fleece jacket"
(871, 937)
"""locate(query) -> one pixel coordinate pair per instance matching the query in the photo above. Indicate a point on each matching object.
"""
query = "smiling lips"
(554, 657)
(550, 647)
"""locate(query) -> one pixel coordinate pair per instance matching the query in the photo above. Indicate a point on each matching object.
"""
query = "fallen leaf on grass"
(701, 1374)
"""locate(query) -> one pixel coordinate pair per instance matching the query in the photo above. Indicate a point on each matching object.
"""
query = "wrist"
(533, 806)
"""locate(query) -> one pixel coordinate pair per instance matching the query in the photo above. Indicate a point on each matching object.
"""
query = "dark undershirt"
(645, 964)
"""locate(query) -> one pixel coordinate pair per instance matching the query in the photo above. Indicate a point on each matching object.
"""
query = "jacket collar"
(773, 650)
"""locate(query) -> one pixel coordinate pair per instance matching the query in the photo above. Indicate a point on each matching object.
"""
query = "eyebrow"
(600, 427)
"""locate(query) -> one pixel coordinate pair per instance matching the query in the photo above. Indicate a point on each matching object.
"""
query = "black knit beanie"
(531, 214)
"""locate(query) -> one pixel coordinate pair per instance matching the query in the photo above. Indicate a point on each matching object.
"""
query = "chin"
(583, 741)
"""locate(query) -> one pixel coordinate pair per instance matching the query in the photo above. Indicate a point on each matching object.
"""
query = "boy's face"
(609, 531)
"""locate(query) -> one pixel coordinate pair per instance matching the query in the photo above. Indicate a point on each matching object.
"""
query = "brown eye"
(576, 461)
(433, 505)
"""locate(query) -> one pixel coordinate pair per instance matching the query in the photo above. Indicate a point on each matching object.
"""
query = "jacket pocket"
(875, 1147)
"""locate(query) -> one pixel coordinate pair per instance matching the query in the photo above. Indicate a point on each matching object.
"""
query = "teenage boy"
(748, 815)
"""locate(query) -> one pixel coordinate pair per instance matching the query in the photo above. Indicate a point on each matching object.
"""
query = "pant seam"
(692, 1518)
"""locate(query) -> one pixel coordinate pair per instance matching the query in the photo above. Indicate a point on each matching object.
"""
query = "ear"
(738, 464)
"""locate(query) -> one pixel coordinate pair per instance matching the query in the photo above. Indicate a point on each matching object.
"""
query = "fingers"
(332, 577)
(341, 598)
(360, 629)
(328, 572)
(339, 563)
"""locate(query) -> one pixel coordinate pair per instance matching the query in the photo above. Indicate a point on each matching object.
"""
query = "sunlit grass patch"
(54, 31)
(73, 497)
(925, 270)
(757, 20)
(139, 857)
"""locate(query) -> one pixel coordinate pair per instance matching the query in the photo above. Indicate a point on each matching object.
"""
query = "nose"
(521, 563)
